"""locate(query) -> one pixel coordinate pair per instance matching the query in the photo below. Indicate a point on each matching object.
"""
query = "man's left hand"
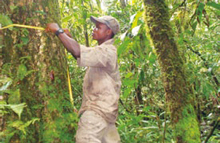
(67, 32)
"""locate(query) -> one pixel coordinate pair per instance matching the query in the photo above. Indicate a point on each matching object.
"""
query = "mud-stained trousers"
(92, 128)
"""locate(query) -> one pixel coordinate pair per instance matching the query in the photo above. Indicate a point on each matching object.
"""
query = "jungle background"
(35, 105)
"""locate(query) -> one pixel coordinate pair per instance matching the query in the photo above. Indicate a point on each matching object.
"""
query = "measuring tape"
(23, 26)
(41, 28)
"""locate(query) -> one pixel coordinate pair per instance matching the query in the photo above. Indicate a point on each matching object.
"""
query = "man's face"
(100, 31)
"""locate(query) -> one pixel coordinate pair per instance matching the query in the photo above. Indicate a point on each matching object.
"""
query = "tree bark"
(123, 3)
(179, 93)
(38, 67)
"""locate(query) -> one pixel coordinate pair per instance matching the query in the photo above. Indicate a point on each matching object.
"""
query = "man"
(101, 87)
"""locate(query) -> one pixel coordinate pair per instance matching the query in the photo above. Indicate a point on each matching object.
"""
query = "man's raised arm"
(64, 35)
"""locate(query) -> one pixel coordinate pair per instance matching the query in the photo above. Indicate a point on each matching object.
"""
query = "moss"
(187, 129)
(178, 92)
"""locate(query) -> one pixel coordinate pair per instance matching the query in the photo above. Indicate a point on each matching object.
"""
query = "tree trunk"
(123, 3)
(179, 93)
(37, 66)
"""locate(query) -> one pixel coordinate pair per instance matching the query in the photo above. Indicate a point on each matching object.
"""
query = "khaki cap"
(110, 21)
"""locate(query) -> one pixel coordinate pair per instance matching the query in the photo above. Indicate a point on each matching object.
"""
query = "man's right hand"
(52, 27)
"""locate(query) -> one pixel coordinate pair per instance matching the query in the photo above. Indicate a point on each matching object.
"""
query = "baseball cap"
(110, 21)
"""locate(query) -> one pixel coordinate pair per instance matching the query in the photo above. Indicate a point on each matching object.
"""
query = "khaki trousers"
(92, 128)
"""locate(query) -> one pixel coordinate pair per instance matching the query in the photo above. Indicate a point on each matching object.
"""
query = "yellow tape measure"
(23, 26)
(41, 28)
(69, 85)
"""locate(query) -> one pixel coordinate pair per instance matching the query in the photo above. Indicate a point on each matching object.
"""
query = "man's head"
(106, 28)
(110, 21)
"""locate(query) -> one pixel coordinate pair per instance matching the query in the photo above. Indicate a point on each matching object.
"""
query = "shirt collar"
(110, 41)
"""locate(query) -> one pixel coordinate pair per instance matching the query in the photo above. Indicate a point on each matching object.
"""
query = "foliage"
(16, 126)
(37, 78)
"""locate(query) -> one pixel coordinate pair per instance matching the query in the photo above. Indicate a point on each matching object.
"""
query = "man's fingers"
(52, 27)
(47, 29)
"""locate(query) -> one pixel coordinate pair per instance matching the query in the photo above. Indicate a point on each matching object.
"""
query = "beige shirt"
(102, 83)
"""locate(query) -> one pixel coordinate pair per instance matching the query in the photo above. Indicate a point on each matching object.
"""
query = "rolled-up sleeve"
(93, 57)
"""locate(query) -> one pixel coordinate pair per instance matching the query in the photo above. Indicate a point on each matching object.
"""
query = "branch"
(210, 134)
(182, 4)
(124, 106)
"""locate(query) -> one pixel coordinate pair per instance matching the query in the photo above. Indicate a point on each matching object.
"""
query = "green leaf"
(12, 7)
(213, 4)
(21, 125)
(6, 83)
(123, 46)
(25, 40)
(141, 77)
(132, 18)
(14, 97)
(129, 82)
(135, 30)
(194, 26)
(41, 12)
(207, 89)
(22, 70)
(5, 20)
(66, 19)
(29, 72)
(152, 58)
(126, 92)
(122, 37)
(137, 62)
(18, 109)
(32, 121)
(17, 124)
(199, 11)
(128, 75)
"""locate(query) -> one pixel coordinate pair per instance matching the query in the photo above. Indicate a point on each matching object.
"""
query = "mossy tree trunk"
(36, 62)
(179, 94)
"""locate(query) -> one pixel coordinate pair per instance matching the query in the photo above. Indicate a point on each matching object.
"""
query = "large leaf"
(128, 75)
(21, 125)
(136, 18)
(123, 46)
(5, 20)
(122, 37)
(135, 30)
(213, 4)
(199, 11)
(141, 76)
(25, 40)
(6, 83)
(194, 25)
(14, 96)
(132, 18)
(18, 109)
(22, 70)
